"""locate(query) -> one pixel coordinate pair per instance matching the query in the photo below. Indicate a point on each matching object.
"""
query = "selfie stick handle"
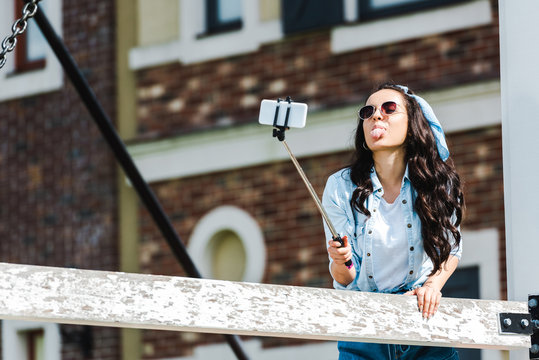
(279, 133)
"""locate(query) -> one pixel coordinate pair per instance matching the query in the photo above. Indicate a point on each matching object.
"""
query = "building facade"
(183, 80)
(201, 70)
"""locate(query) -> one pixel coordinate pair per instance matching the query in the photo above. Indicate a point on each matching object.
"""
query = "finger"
(340, 241)
(341, 251)
(339, 255)
(432, 304)
(437, 304)
(426, 305)
(345, 241)
(420, 300)
(347, 256)
(333, 253)
(334, 244)
(410, 292)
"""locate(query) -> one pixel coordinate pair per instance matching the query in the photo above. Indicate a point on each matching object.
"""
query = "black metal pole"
(122, 156)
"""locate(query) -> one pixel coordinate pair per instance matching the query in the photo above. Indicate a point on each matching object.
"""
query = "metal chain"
(18, 28)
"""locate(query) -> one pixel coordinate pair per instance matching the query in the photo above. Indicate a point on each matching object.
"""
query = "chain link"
(19, 27)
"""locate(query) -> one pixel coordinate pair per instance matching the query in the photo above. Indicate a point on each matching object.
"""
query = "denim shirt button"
(370, 232)
(411, 248)
(411, 272)
(370, 276)
(404, 201)
(409, 225)
(368, 254)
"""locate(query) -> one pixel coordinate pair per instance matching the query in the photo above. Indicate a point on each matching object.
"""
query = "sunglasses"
(387, 108)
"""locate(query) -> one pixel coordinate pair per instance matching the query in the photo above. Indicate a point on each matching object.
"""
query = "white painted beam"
(519, 79)
(173, 303)
(520, 131)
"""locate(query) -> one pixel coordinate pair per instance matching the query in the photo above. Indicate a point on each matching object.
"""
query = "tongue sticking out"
(377, 133)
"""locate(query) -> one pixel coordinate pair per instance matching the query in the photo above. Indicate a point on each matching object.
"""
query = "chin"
(384, 145)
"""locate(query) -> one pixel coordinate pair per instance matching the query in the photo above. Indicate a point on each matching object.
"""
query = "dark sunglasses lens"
(366, 112)
(389, 107)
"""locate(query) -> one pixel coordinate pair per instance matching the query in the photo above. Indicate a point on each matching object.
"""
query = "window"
(407, 26)
(227, 255)
(206, 30)
(35, 346)
(223, 15)
(228, 244)
(28, 340)
(31, 48)
(46, 73)
(370, 9)
(302, 15)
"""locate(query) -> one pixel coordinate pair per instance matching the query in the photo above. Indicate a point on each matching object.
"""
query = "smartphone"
(296, 118)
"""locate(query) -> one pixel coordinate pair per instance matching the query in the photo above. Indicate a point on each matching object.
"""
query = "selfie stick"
(278, 132)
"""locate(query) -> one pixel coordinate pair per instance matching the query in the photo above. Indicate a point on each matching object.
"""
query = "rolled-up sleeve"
(334, 201)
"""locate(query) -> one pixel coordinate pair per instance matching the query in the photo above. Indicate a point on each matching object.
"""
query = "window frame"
(16, 333)
(22, 63)
(238, 221)
(367, 12)
(50, 78)
(383, 31)
(213, 25)
(193, 45)
(31, 345)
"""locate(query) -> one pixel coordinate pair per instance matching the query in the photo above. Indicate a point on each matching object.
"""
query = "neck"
(390, 167)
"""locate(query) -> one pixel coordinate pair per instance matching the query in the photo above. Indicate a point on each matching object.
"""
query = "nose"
(377, 113)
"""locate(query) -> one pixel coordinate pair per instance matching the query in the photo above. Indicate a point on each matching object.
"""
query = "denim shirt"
(358, 228)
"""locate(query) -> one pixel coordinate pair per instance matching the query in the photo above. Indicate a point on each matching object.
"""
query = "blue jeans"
(367, 351)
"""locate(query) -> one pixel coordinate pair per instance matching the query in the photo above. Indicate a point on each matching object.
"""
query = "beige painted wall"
(158, 21)
(270, 10)
(126, 121)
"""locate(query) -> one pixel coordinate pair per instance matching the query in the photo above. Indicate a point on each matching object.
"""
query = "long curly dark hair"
(438, 186)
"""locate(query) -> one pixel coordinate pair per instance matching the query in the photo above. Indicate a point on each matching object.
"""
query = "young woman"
(398, 207)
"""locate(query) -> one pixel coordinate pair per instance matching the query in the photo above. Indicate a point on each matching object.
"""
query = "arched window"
(228, 244)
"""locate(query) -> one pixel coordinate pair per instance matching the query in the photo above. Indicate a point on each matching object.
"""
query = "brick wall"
(58, 199)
